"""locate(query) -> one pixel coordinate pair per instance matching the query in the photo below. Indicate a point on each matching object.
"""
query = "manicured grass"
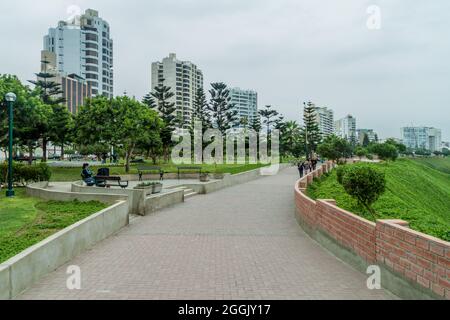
(24, 220)
(441, 164)
(415, 192)
(73, 174)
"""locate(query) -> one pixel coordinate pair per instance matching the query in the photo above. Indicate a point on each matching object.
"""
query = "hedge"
(24, 174)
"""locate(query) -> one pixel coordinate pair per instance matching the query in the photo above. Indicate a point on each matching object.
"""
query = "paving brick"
(241, 242)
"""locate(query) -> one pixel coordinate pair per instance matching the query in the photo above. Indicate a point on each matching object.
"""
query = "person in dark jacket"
(301, 168)
(86, 173)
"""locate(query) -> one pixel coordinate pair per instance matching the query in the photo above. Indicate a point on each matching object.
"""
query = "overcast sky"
(289, 51)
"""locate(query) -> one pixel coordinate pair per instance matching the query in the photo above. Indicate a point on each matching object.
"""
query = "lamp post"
(10, 99)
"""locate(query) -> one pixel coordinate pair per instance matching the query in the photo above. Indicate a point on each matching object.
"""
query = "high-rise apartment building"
(371, 135)
(346, 128)
(246, 105)
(84, 47)
(325, 120)
(75, 89)
(184, 78)
(427, 138)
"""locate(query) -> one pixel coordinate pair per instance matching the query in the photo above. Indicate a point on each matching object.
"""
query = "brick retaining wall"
(418, 260)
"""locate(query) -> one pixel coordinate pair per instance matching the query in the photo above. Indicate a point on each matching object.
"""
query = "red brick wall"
(418, 257)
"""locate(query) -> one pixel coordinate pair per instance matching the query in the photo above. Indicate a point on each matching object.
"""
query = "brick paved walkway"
(238, 243)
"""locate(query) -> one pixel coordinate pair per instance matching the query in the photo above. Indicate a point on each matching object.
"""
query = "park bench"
(199, 169)
(110, 181)
(143, 169)
(139, 160)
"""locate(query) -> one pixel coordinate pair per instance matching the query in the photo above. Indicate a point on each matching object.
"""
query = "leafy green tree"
(365, 183)
(335, 148)
(290, 139)
(311, 136)
(385, 151)
(29, 121)
(445, 152)
(120, 122)
(10, 83)
(401, 148)
(162, 95)
(61, 126)
(220, 107)
(361, 152)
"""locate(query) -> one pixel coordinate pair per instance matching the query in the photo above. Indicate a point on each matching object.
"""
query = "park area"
(24, 221)
(417, 191)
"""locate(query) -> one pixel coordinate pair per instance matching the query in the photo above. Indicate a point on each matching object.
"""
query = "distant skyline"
(289, 51)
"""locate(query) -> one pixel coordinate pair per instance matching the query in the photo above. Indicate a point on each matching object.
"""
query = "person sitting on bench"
(87, 174)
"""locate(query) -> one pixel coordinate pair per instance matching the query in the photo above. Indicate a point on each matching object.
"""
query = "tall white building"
(84, 47)
(246, 105)
(184, 78)
(346, 128)
(325, 120)
(371, 135)
(422, 138)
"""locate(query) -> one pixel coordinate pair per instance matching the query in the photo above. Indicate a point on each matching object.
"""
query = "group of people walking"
(304, 167)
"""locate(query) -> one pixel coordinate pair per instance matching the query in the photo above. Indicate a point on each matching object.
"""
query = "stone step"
(189, 194)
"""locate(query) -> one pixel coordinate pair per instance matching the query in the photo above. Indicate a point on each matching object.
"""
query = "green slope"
(415, 192)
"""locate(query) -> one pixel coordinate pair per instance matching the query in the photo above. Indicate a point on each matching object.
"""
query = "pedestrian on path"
(301, 168)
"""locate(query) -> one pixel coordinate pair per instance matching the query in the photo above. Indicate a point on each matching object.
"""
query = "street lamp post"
(10, 99)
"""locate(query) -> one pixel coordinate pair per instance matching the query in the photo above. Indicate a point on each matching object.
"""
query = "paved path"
(238, 243)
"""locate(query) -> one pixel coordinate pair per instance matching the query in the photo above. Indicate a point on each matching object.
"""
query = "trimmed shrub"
(340, 170)
(24, 174)
(365, 183)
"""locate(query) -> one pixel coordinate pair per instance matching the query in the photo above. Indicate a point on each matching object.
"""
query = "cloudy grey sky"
(288, 50)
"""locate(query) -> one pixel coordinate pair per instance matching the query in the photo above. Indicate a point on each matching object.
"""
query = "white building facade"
(184, 78)
(325, 121)
(346, 128)
(84, 47)
(246, 105)
(427, 138)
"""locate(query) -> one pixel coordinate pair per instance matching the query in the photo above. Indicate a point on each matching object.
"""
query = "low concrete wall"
(20, 272)
(230, 180)
(136, 198)
(158, 201)
(39, 190)
(414, 265)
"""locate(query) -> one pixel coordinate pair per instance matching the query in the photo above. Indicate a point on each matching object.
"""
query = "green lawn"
(24, 220)
(415, 192)
(73, 174)
(441, 164)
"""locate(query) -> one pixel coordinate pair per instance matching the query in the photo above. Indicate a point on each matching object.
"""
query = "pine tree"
(200, 111)
(268, 114)
(255, 123)
(149, 101)
(166, 109)
(51, 94)
(310, 132)
(366, 141)
(221, 108)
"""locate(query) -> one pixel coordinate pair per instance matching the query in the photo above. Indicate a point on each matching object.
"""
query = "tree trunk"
(128, 155)
(44, 149)
(62, 151)
(30, 154)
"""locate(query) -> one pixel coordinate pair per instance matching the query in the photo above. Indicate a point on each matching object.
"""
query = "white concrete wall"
(20, 272)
